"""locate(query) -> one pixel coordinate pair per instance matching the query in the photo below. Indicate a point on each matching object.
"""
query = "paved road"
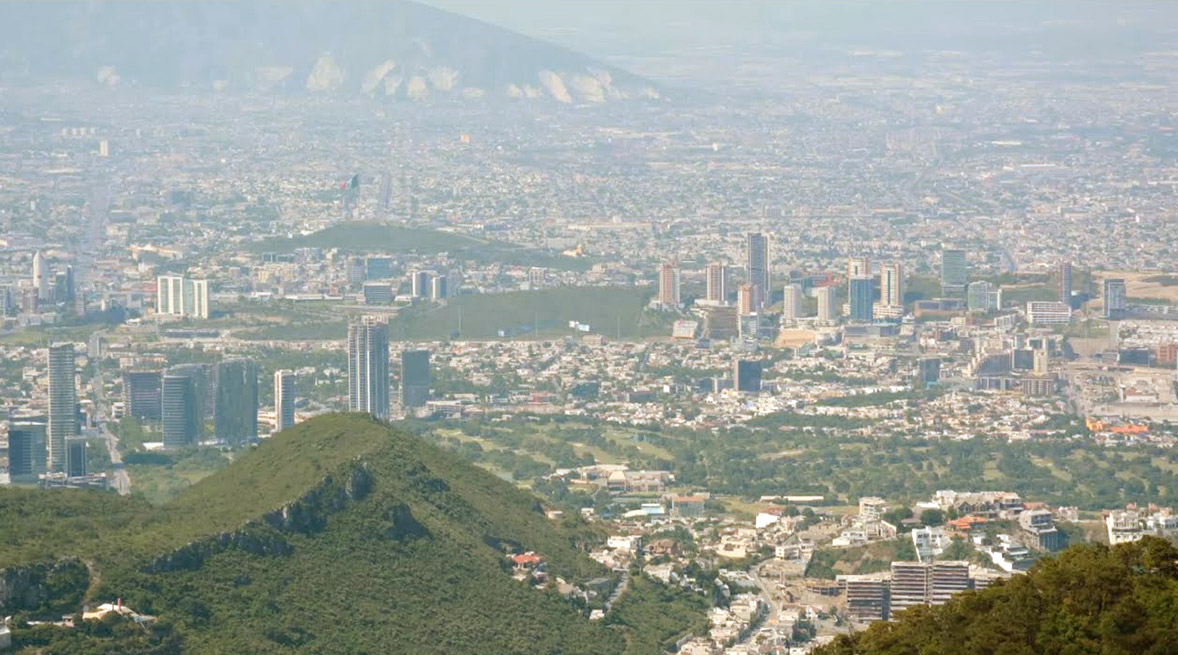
(122, 481)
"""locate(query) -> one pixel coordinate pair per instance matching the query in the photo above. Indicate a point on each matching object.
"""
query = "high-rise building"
(827, 311)
(858, 267)
(716, 290)
(791, 302)
(182, 405)
(746, 375)
(178, 296)
(954, 273)
(420, 283)
(75, 457)
(1063, 278)
(927, 583)
(439, 288)
(27, 448)
(929, 370)
(235, 412)
(867, 597)
(862, 298)
(746, 299)
(368, 366)
(355, 272)
(891, 285)
(284, 399)
(415, 377)
(1048, 312)
(977, 296)
(41, 275)
(378, 293)
(63, 403)
(669, 285)
(1116, 298)
(757, 263)
(141, 394)
(378, 268)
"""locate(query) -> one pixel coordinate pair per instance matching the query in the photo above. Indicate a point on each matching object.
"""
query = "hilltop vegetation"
(1091, 599)
(608, 310)
(340, 535)
(381, 237)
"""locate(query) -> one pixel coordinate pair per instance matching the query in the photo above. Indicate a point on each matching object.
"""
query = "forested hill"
(340, 535)
(1090, 599)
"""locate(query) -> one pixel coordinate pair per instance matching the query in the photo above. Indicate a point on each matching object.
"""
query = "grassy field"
(43, 336)
(609, 310)
(377, 237)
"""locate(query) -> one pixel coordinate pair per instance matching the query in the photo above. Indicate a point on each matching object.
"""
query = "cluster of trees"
(1089, 599)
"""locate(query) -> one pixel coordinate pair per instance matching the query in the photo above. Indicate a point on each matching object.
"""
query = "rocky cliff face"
(44, 586)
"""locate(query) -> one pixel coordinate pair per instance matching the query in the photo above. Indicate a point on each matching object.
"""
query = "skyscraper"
(439, 288)
(669, 285)
(63, 403)
(141, 394)
(27, 449)
(891, 284)
(858, 267)
(178, 296)
(717, 283)
(368, 366)
(41, 275)
(1063, 278)
(378, 268)
(1116, 298)
(196, 298)
(235, 412)
(746, 376)
(954, 273)
(757, 264)
(791, 303)
(415, 377)
(977, 296)
(75, 459)
(420, 282)
(182, 405)
(284, 400)
(827, 311)
(862, 298)
(746, 299)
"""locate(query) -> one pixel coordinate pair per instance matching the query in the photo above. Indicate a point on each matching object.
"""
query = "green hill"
(386, 238)
(340, 535)
(1090, 599)
(608, 310)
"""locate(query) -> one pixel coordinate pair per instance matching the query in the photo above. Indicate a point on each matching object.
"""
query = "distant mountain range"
(384, 49)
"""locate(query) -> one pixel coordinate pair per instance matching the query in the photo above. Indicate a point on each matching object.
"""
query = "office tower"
(63, 403)
(355, 271)
(63, 285)
(862, 298)
(954, 273)
(929, 370)
(386, 192)
(669, 285)
(1116, 298)
(420, 283)
(41, 275)
(104, 148)
(977, 296)
(439, 288)
(1041, 361)
(141, 394)
(1063, 278)
(858, 267)
(75, 448)
(827, 312)
(379, 268)
(378, 293)
(757, 264)
(891, 285)
(27, 448)
(791, 302)
(746, 303)
(182, 406)
(368, 366)
(235, 412)
(284, 400)
(537, 277)
(746, 376)
(415, 377)
(717, 283)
